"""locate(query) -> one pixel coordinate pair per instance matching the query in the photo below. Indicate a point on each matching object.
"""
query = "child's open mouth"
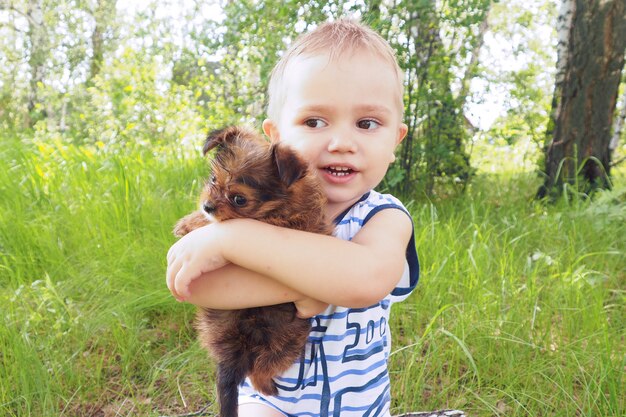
(339, 171)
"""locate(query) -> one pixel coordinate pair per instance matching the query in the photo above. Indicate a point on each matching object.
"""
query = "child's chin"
(343, 198)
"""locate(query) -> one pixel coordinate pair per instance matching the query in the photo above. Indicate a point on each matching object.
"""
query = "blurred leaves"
(119, 75)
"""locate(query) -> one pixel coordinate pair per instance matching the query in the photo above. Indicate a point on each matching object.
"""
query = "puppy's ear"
(221, 137)
(289, 165)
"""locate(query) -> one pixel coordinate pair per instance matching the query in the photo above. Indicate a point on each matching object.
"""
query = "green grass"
(520, 310)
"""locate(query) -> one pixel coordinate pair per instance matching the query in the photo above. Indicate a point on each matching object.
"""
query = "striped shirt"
(344, 369)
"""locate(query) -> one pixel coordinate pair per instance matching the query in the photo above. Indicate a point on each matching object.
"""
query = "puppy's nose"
(208, 207)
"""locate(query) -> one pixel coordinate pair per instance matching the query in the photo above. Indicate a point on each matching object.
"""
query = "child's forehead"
(338, 58)
(362, 81)
(345, 68)
(334, 68)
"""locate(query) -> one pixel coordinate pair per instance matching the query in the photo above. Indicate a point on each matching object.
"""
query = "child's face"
(344, 117)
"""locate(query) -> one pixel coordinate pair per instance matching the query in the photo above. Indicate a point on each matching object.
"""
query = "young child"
(335, 98)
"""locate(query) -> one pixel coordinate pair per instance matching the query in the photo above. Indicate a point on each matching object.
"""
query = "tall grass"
(520, 309)
(521, 306)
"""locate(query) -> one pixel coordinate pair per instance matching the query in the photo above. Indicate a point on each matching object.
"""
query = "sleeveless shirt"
(343, 371)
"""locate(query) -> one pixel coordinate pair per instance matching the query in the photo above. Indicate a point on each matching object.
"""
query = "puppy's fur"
(272, 184)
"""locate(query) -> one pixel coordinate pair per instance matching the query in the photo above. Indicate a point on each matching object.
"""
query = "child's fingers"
(171, 254)
(172, 269)
(170, 278)
(181, 282)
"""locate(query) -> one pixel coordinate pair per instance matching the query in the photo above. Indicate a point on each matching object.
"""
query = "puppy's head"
(249, 178)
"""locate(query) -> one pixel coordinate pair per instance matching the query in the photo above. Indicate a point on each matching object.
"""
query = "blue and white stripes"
(344, 368)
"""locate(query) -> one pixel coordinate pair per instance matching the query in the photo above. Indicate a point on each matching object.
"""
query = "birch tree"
(618, 124)
(104, 18)
(592, 39)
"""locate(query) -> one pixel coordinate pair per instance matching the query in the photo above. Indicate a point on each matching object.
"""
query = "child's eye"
(315, 123)
(367, 124)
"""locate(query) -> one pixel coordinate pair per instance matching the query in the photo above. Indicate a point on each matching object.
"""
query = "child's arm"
(355, 273)
(233, 287)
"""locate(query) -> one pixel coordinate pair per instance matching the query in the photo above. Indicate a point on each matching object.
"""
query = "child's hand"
(196, 253)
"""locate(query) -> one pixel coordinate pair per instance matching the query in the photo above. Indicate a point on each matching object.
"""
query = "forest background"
(103, 109)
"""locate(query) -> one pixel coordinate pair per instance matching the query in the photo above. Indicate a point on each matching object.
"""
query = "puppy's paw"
(190, 222)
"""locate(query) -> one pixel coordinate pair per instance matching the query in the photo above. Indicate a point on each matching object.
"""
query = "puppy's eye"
(212, 179)
(239, 200)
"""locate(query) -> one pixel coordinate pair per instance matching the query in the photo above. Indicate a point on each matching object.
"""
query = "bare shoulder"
(390, 227)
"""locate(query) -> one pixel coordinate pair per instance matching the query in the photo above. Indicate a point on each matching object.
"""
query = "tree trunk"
(39, 52)
(430, 95)
(470, 72)
(373, 10)
(103, 15)
(589, 69)
(618, 126)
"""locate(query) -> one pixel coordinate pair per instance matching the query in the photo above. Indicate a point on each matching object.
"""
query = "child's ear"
(271, 130)
(289, 165)
(402, 131)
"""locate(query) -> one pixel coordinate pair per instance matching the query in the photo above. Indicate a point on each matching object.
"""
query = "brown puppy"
(272, 184)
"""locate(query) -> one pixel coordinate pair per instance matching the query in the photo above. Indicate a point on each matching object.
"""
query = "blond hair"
(334, 39)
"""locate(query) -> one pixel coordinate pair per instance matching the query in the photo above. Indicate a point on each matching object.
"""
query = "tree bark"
(103, 15)
(470, 72)
(432, 75)
(588, 76)
(618, 125)
(38, 53)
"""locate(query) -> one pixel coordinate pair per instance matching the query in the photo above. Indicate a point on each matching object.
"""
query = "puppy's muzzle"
(208, 208)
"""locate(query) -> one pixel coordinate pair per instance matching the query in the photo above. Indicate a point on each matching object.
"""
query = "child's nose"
(342, 141)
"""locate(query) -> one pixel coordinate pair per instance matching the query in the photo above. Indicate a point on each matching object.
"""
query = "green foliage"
(125, 104)
(114, 79)
(520, 307)
(435, 149)
(529, 81)
(86, 318)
